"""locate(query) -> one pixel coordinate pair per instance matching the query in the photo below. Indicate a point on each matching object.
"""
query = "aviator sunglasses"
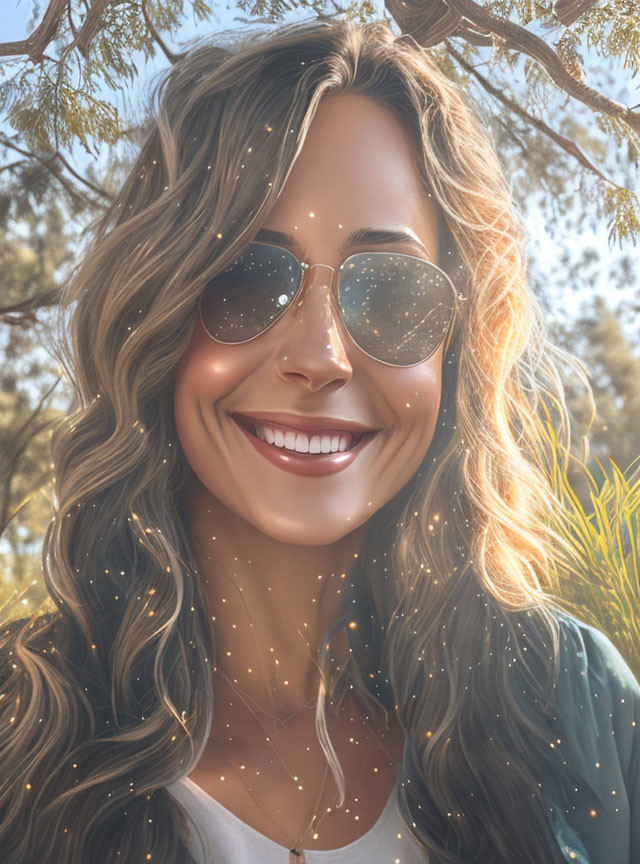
(397, 308)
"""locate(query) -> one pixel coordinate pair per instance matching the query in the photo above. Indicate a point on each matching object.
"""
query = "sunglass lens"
(396, 307)
(250, 294)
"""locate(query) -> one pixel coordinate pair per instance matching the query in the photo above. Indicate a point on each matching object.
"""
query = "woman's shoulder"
(595, 701)
(594, 655)
(597, 723)
(596, 691)
(592, 792)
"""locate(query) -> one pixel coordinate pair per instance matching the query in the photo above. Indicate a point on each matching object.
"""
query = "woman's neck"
(271, 602)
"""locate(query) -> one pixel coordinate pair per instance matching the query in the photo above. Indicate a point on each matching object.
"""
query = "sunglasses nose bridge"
(311, 266)
(306, 269)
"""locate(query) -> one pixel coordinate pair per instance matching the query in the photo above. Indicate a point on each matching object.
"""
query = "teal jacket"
(598, 722)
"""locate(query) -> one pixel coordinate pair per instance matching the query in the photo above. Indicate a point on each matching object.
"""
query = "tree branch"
(511, 133)
(171, 57)
(567, 145)
(20, 440)
(89, 26)
(10, 165)
(97, 189)
(23, 313)
(520, 39)
(430, 22)
(28, 431)
(48, 163)
(44, 33)
(568, 11)
(40, 483)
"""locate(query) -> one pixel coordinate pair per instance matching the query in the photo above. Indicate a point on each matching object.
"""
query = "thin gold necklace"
(279, 725)
(268, 738)
(273, 717)
(296, 852)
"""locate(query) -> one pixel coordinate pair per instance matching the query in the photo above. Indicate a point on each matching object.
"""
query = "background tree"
(28, 378)
(616, 382)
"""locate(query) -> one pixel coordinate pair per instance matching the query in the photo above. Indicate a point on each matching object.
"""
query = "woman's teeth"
(302, 443)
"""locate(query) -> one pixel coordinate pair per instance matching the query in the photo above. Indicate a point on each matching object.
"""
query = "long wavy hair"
(109, 699)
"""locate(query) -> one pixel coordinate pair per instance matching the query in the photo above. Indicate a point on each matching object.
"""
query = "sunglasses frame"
(304, 267)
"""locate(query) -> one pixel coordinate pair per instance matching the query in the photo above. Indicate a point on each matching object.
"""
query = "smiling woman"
(308, 361)
(300, 549)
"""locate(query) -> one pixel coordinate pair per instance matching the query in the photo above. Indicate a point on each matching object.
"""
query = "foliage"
(598, 578)
(31, 395)
(614, 372)
(66, 83)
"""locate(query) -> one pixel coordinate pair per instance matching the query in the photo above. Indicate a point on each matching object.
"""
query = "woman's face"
(357, 169)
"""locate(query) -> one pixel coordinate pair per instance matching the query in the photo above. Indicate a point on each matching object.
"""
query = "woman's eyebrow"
(372, 236)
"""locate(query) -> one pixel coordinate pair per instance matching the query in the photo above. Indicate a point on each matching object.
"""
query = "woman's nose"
(313, 344)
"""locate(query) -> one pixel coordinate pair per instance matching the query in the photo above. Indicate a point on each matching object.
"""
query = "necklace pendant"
(296, 856)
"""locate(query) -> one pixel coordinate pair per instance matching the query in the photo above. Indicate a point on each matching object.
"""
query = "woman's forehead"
(357, 168)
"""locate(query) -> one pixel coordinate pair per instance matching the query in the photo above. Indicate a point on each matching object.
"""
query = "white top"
(229, 840)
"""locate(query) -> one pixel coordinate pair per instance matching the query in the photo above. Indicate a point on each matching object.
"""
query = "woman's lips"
(305, 464)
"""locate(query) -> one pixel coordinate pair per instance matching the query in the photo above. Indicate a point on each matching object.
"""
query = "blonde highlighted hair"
(105, 705)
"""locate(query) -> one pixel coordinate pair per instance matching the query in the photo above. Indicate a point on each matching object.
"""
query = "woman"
(345, 653)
